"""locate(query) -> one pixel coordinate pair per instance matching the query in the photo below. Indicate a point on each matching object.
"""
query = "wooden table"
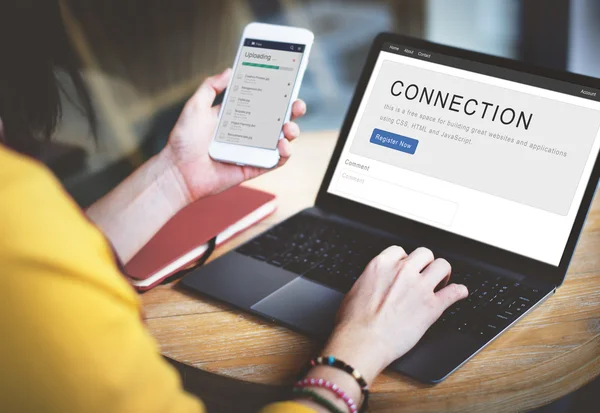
(550, 353)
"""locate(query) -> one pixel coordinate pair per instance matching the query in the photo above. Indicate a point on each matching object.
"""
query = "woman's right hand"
(390, 307)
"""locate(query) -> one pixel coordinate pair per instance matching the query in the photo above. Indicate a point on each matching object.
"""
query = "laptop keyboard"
(493, 303)
(336, 255)
(320, 250)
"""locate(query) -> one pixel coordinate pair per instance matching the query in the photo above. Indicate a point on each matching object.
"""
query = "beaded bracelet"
(317, 398)
(332, 387)
(339, 364)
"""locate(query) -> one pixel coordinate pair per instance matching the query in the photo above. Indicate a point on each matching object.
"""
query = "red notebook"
(185, 237)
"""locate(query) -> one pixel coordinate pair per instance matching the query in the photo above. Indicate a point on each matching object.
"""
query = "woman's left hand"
(187, 148)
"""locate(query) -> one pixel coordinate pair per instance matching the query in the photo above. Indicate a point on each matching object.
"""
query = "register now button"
(394, 141)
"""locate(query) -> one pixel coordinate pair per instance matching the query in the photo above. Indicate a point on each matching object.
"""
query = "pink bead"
(307, 382)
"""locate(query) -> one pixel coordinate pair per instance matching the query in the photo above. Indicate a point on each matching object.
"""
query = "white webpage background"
(505, 224)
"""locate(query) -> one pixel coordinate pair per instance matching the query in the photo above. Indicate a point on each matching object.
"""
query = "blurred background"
(143, 58)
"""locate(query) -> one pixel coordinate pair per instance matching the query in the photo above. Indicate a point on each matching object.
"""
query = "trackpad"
(303, 305)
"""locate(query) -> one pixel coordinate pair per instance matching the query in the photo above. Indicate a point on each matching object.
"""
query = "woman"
(71, 335)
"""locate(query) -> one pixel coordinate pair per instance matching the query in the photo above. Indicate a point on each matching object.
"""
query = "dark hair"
(34, 45)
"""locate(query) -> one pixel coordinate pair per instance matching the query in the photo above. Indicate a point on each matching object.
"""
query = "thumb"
(210, 88)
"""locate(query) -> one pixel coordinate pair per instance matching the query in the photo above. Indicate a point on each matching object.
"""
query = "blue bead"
(330, 359)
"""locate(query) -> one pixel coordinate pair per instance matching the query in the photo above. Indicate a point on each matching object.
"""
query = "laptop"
(489, 162)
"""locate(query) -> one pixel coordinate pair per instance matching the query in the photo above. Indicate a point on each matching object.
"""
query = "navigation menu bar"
(496, 71)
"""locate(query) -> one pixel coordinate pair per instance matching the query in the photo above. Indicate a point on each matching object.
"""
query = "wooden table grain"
(552, 352)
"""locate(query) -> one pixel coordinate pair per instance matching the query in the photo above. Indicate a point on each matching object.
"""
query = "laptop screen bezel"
(431, 236)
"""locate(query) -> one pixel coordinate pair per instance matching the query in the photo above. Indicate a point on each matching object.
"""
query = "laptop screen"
(493, 154)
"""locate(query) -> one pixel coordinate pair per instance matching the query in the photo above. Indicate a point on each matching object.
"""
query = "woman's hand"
(181, 173)
(384, 315)
(188, 143)
(390, 307)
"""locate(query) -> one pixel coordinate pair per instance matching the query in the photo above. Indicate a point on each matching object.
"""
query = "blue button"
(393, 141)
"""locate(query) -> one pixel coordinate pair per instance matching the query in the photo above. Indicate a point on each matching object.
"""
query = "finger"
(395, 252)
(291, 131)
(381, 271)
(210, 88)
(451, 294)
(298, 109)
(215, 110)
(437, 272)
(386, 264)
(285, 150)
(419, 258)
(251, 172)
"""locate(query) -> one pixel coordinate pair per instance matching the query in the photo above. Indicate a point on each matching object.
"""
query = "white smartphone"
(268, 70)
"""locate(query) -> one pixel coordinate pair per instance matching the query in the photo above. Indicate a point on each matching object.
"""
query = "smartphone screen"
(260, 93)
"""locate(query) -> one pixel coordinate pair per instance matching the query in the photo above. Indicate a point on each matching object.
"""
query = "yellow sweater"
(71, 335)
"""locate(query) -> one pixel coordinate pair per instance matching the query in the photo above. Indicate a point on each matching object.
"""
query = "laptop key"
(454, 310)
(509, 314)
(521, 308)
(501, 320)
(488, 330)
(465, 326)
